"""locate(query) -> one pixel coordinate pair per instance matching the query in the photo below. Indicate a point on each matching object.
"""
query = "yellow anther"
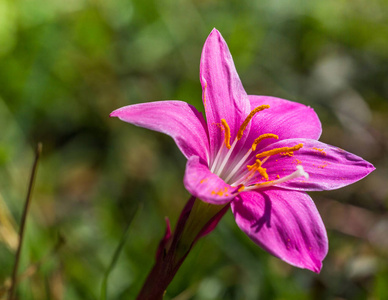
(256, 165)
(248, 119)
(263, 172)
(241, 188)
(279, 150)
(227, 133)
(262, 137)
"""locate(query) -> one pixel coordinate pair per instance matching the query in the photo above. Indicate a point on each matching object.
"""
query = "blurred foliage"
(65, 65)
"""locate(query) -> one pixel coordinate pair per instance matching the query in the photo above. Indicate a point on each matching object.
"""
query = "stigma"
(299, 172)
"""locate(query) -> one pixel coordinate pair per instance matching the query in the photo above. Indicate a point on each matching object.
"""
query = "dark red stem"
(170, 256)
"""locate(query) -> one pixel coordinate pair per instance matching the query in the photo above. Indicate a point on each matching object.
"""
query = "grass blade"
(104, 285)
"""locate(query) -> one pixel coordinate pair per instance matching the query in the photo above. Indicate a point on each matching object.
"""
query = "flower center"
(232, 171)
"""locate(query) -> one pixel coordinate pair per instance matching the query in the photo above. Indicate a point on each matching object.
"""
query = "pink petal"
(224, 96)
(328, 167)
(284, 118)
(205, 185)
(177, 119)
(284, 223)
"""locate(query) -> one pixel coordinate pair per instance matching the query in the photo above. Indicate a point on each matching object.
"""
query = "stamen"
(256, 167)
(242, 187)
(227, 133)
(263, 172)
(279, 150)
(264, 160)
(253, 148)
(215, 162)
(258, 163)
(248, 119)
(224, 126)
(221, 168)
(262, 137)
(238, 165)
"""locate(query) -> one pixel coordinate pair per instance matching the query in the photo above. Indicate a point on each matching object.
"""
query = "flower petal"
(224, 96)
(284, 223)
(328, 167)
(205, 185)
(285, 118)
(177, 119)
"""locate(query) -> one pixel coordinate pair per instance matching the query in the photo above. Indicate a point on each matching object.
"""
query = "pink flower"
(259, 154)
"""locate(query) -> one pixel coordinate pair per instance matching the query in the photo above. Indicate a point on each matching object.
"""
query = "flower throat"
(237, 176)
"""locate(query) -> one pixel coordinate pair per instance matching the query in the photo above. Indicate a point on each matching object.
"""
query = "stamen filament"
(238, 165)
(248, 119)
(225, 127)
(215, 162)
(221, 168)
(264, 160)
(279, 150)
(244, 179)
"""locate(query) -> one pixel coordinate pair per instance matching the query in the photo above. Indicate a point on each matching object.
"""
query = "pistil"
(300, 172)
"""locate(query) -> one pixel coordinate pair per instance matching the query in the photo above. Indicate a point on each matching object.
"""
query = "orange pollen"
(287, 154)
(320, 150)
(257, 167)
(248, 119)
(241, 188)
(263, 172)
(227, 133)
(204, 94)
(221, 192)
(279, 150)
(262, 137)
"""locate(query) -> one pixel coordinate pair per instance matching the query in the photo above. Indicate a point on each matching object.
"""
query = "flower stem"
(158, 279)
(196, 220)
(23, 222)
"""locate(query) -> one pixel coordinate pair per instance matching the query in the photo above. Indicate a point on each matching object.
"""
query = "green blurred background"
(65, 65)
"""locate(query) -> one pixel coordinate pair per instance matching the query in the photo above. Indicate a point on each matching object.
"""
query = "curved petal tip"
(113, 113)
(284, 223)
